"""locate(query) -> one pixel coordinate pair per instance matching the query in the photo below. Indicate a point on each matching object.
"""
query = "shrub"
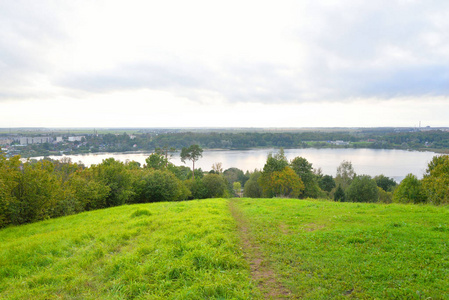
(362, 189)
(410, 190)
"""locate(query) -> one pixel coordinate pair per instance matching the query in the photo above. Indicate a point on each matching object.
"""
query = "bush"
(252, 187)
(156, 186)
(215, 186)
(362, 189)
(410, 190)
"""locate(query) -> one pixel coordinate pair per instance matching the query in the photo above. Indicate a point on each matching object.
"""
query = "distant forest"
(374, 138)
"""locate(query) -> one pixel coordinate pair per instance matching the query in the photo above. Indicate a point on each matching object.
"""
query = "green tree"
(215, 185)
(192, 153)
(9, 174)
(305, 171)
(345, 174)
(158, 186)
(117, 177)
(285, 183)
(166, 152)
(339, 194)
(89, 192)
(385, 197)
(237, 187)
(326, 183)
(252, 187)
(362, 189)
(386, 183)
(410, 190)
(35, 193)
(156, 161)
(196, 188)
(275, 163)
(436, 180)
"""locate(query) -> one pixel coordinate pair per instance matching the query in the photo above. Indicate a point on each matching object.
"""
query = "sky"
(206, 63)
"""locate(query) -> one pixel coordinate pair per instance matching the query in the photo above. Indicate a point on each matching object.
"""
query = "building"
(6, 141)
(75, 138)
(34, 140)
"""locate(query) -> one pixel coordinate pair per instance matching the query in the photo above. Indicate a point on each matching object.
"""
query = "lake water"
(392, 163)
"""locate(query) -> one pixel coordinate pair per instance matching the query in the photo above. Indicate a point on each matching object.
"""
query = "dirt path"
(261, 273)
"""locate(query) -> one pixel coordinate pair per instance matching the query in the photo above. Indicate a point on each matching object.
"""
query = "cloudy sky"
(175, 63)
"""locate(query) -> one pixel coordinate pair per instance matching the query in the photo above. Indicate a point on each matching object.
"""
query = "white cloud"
(252, 59)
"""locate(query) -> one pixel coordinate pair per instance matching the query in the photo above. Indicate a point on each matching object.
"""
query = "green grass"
(327, 250)
(183, 250)
(191, 250)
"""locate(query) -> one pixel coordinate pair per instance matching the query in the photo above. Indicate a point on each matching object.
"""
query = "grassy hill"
(231, 249)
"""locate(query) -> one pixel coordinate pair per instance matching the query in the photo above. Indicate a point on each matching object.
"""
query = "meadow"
(231, 249)
(176, 250)
(330, 250)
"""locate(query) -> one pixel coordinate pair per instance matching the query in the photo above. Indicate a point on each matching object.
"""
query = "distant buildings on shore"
(24, 141)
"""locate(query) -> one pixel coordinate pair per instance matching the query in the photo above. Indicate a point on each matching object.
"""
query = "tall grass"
(183, 250)
(328, 250)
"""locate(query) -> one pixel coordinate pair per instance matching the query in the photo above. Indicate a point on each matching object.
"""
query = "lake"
(392, 163)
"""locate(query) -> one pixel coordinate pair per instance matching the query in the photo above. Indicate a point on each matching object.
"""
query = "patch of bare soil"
(261, 272)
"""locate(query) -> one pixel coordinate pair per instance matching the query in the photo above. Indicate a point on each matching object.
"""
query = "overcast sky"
(177, 63)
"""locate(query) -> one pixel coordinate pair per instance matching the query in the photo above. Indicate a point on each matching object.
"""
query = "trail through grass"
(262, 272)
(328, 250)
(183, 250)
(298, 249)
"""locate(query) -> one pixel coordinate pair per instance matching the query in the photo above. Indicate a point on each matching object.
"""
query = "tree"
(233, 175)
(305, 171)
(275, 163)
(252, 187)
(217, 168)
(339, 194)
(158, 186)
(386, 183)
(285, 183)
(192, 153)
(88, 191)
(196, 188)
(436, 180)
(215, 185)
(385, 197)
(345, 174)
(156, 161)
(117, 177)
(237, 187)
(410, 190)
(166, 152)
(35, 194)
(362, 189)
(327, 183)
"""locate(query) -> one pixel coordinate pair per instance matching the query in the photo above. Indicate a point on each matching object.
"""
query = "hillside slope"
(231, 249)
(332, 250)
(182, 250)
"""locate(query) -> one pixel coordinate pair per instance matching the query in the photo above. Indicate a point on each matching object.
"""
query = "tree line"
(36, 190)
(437, 140)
